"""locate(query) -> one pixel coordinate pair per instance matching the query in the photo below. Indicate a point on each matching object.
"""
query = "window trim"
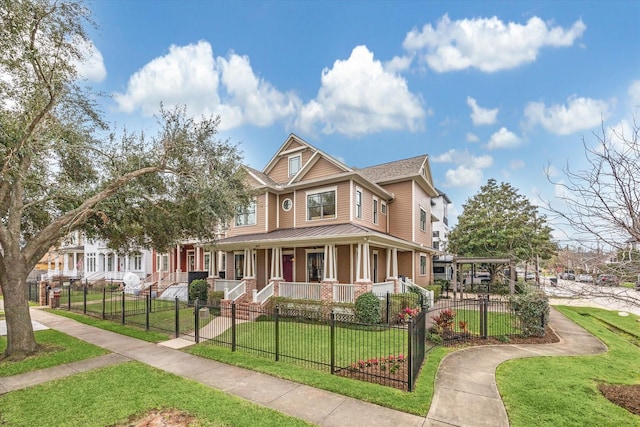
(374, 209)
(358, 203)
(423, 224)
(383, 207)
(245, 214)
(292, 157)
(423, 267)
(317, 192)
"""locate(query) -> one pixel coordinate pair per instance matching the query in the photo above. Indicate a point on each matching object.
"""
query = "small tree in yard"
(498, 222)
(368, 308)
(59, 174)
(199, 289)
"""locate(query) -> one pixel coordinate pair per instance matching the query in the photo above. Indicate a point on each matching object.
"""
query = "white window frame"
(247, 216)
(423, 265)
(206, 260)
(293, 172)
(383, 208)
(320, 191)
(375, 210)
(423, 221)
(358, 203)
(137, 261)
(91, 262)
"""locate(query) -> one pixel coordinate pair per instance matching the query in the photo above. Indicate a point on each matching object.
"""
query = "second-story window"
(383, 208)
(375, 211)
(137, 262)
(358, 203)
(321, 205)
(295, 162)
(423, 220)
(423, 265)
(247, 215)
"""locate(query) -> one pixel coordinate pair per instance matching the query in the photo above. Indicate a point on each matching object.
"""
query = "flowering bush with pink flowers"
(407, 314)
(392, 363)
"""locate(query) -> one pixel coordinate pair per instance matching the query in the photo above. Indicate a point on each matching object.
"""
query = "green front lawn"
(553, 391)
(60, 349)
(110, 396)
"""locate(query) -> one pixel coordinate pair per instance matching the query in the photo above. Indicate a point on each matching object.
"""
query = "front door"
(287, 268)
(315, 263)
(239, 266)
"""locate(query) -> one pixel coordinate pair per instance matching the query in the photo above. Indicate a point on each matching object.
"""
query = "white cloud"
(92, 66)
(398, 64)
(516, 164)
(479, 115)
(579, 114)
(504, 138)
(359, 97)
(487, 44)
(463, 176)
(469, 170)
(192, 76)
(471, 137)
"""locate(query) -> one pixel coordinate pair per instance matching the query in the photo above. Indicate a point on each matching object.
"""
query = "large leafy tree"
(61, 169)
(498, 222)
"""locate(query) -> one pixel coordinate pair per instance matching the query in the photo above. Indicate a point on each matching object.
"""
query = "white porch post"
(249, 264)
(178, 267)
(219, 262)
(363, 263)
(330, 270)
(75, 263)
(394, 261)
(276, 263)
(197, 263)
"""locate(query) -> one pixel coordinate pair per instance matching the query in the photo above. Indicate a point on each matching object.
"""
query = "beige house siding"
(367, 210)
(286, 217)
(273, 212)
(342, 205)
(261, 269)
(280, 172)
(419, 279)
(400, 219)
(422, 201)
(405, 265)
(321, 169)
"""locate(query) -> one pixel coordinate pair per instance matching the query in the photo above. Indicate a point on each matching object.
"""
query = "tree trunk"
(21, 341)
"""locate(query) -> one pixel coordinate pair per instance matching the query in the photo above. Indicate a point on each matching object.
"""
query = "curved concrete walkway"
(466, 394)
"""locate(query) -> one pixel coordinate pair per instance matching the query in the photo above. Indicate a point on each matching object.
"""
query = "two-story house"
(322, 227)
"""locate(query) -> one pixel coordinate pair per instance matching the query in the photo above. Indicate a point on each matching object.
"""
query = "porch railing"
(428, 296)
(344, 293)
(264, 294)
(173, 278)
(300, 290)
(236, 292)
(383, 288)
(221, 284)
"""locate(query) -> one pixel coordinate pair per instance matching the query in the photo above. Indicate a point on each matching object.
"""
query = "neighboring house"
(85, 259)
(315, 222)
(442, 267)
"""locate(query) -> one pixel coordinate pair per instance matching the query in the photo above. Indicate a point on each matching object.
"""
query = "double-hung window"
(375, 211)
(359, 204)
(423, 220)
(295, 162)
(423, 265)
(247, 215)
(321, 205)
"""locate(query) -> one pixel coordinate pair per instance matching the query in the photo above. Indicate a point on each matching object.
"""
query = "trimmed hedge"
(368, 309)
(532, 309)
(198, 289)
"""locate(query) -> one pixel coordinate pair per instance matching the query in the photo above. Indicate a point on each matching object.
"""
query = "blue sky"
(486, 89)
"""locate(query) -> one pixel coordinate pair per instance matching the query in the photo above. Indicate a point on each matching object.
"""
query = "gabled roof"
(261, 177)
(443, 195)
(394, 171)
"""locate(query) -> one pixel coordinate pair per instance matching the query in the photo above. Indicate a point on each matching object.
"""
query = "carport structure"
(474, 261)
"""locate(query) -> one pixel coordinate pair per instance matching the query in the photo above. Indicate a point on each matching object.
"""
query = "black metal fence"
(450, 322)
(388, 354)
(33, 293)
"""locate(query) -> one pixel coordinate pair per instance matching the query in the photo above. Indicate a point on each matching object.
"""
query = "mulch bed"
(626, 396)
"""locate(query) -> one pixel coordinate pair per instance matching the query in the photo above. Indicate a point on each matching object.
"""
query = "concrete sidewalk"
(465, 394)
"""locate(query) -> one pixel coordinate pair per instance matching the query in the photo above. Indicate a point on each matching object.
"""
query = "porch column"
(178, 267)
(363, 263)
(127, 262)
(75, 263)
(198, 263)
(116, 263)
(330, 270)
(219, 255)
(276, 263)
(249, 263)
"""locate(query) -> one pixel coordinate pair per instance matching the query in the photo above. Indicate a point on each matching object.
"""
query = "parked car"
(570, 275)
(607, 280)
(530, 276)
(584, 278)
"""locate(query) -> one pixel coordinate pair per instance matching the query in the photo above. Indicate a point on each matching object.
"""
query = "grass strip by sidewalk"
(109, 396)
(416, 402)
(553, 391)
(61, 349)
(108, 325)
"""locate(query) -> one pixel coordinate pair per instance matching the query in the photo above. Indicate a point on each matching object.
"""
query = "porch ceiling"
(318, 235)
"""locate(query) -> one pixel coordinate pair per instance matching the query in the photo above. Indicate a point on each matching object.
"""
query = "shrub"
(214, 297)
(437, 291)
(368, 308)
(198, 289)
(532, 309)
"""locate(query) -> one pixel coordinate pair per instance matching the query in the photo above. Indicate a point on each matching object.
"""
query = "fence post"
(104, 302)
(177, 306)
(233, 326)
(147, 307)
(197, 320)
(410, 355)
(485, 317)
(388, 307)
(84, 299)
(123, 305)
(333, 341)
(277, 331)
(69, 297)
